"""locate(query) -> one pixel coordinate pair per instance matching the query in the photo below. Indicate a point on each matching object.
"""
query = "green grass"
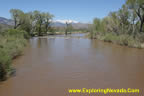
(124, 40)
(12, 43)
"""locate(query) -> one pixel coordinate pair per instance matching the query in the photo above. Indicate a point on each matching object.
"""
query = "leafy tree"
(42, 20)
(32, 22)
(123, 19)
(97, 25)
(39, 18)
(47, 21)
(68, 28)
(66, 31)
(138, 7)
(26, 26)
(18, 17)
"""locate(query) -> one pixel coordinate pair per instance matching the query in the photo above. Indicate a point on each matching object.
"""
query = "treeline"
(35, 22)
(124, 27)
(38, 23)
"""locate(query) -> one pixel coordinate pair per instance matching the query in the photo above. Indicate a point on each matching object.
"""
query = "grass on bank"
(12, 42)
(124, 40)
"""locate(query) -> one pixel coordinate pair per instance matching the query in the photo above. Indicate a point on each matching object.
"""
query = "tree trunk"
(66, 32)
(15, 24)
(46, 28)
(40, 30)
(141, 26)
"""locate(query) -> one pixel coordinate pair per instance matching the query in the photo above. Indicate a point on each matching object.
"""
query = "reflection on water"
(52, 64)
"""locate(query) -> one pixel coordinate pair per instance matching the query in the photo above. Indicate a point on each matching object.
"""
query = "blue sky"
(79, 10)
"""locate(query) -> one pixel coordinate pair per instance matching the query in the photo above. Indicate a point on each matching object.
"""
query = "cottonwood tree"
(26, 24)
(39, 18)
(123, 18)
(42, 21)
(47, 21)
(69, 27)
(18, 17)
(96, 26)
(66, 31)
(138, 7)
(35, 21)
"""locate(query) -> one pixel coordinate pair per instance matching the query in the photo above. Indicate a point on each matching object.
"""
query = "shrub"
(16, 33)
(109, 37)
(12, 43)
(124, 40)
(5, 64)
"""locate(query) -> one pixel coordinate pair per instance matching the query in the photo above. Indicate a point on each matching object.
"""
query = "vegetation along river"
(50, 65)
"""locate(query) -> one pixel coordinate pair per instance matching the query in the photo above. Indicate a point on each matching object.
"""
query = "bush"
(109, 37)
(5, 64)
(16, 33)
(124, 40)
(12, 43)
(140, 37)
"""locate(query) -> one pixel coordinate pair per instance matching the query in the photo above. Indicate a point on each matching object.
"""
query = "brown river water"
(51, 65)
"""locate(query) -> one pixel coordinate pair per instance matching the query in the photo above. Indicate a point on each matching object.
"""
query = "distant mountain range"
(6, 21)
(56, 23)
(76, 25)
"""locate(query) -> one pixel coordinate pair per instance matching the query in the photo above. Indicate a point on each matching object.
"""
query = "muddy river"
(51, 65)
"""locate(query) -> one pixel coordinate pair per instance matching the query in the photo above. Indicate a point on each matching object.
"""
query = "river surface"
(50, 65)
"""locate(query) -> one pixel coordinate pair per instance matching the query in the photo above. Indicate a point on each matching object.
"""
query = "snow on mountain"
(64, 21)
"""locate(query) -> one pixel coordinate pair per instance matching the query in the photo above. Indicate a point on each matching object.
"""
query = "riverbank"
(12, 43)
(61, 33)
(123, 40)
